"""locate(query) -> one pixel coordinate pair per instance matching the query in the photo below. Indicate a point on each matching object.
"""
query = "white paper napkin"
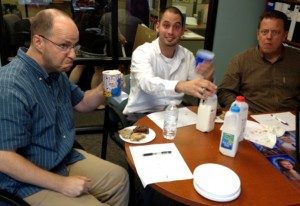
(262, 134)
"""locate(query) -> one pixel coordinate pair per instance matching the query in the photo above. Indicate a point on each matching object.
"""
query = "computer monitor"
(297, 152)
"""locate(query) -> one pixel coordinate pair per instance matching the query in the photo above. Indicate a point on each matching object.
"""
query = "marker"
(157, 153)
(280, 120)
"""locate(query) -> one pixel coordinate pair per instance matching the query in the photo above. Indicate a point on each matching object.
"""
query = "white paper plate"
(217, 182)
(149, 137)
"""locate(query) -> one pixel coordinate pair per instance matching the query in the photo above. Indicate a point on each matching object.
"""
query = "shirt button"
(64, 136)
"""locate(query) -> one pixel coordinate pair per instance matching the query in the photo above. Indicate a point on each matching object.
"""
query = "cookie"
(126, 133)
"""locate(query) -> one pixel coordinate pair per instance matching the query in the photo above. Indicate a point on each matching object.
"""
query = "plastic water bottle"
(206, 114)
(242, 104)
(230, 132)
(170, 121)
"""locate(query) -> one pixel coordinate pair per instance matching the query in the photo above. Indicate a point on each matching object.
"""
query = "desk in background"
(192, 41)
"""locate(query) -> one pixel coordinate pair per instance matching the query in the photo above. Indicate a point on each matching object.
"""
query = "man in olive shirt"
(267, 75)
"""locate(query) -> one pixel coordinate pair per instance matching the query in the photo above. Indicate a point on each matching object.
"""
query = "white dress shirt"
(153, 77)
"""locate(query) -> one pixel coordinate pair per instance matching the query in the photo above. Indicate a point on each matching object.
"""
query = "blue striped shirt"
(36, 119)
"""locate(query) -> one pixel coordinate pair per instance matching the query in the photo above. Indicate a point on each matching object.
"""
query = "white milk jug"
(206, 114)
(230, 132)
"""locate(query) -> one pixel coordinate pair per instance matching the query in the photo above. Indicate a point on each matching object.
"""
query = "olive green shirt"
(267, 87)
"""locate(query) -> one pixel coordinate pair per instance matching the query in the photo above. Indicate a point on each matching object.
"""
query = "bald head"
(53, 38)
(44, 21)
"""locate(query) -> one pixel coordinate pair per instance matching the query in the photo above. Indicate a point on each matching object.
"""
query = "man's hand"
(206, 69)
(198, 87)
(74, 186)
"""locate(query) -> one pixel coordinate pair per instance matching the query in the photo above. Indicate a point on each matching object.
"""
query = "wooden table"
(261, 183)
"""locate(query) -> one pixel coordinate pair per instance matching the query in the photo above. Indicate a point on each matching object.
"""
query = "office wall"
(235, 30)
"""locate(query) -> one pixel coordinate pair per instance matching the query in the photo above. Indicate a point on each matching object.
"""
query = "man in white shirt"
(163, 70)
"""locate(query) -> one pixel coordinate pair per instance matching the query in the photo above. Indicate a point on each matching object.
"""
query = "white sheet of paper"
(287, 117)
(185, 117)
(159, 167)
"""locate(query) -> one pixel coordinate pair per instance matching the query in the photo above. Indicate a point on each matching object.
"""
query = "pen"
(157, 153)
(280, 120)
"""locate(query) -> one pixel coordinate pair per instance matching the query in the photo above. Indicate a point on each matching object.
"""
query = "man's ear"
(37, 42)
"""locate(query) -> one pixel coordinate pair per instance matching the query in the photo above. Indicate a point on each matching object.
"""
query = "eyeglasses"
(64, 47)
(273, 32)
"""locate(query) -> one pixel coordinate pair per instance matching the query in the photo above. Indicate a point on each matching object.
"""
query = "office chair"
(114, 120)
(113, 117)
(16, 32)
(10, 199)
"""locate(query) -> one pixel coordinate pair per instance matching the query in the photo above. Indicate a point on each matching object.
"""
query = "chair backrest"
(16, 34)
(10, 199)
(143, 34)
(10, 21)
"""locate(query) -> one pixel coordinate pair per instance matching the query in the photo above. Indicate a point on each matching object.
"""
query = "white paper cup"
(111, 83)
(204, 55)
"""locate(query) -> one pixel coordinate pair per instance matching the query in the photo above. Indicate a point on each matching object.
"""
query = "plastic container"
(230, 132)
(244, 107)
(206, 114)
(204, 55)
(170, 121)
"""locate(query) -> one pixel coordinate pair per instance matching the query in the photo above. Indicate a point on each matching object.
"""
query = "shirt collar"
(262, 56)
(34, 67)
(178, 52)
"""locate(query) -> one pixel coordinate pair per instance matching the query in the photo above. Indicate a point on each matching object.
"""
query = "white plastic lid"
(216, 182)
(205, 54)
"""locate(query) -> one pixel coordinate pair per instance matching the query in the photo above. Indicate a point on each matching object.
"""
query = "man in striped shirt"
(37, 161)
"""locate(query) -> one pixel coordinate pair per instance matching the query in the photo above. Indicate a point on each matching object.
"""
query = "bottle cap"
(235, 109)
(240, 98)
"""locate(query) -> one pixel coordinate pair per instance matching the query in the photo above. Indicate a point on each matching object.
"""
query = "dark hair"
(282, 168)
(174, 10)
(275, 15)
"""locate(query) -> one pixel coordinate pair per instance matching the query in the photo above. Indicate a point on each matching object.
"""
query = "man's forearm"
(91, 100)
(19, 168)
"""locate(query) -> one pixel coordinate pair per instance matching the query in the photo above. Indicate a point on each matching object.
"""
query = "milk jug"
(242, 104)
(206, 114)
(230, 132)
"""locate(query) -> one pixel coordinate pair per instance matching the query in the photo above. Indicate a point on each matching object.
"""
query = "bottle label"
(227, 140)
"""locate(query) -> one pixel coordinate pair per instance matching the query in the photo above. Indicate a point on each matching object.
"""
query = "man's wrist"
(178, 87)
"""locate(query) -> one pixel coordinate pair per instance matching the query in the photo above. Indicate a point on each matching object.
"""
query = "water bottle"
(170, 121)
(230, 132)
(240, 102)
(206, 114)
